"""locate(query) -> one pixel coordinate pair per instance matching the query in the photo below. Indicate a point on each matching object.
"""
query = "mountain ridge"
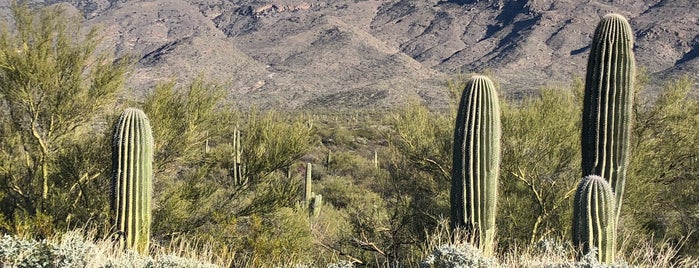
(355, 54)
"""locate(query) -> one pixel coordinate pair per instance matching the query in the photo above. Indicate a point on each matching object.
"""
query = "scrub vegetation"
(315, 188)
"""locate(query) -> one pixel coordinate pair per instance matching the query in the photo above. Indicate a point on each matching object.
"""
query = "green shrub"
(540, 164)
(56, 87)
(280, 238)
(664, 168)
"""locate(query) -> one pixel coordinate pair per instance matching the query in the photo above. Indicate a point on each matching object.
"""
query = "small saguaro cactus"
(607, 107)
(311, 201)
(328, 159)
(307, 193)
(376, 159)
(132, 179)
(476, 161)
(238, 166)
(594, 225)
(315, 205)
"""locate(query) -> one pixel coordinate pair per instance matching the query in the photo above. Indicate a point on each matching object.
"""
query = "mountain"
(354, 54)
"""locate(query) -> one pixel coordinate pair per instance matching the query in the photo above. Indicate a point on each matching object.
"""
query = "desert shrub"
(195, 193)
(332, 233)
(129, 259)
(24, 253)
(352, 165)
(341, 136)
(458, 255)
(280, 238)
(660, 201)
(73, 250)
(540, 165)
(366, 212)
(185, 119)
(55, 88)
(341, 264)
(418, 174)
(168, 261)
(424, 138)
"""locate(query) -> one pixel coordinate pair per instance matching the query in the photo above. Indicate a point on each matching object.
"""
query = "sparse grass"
(560, 253)
(78, 248)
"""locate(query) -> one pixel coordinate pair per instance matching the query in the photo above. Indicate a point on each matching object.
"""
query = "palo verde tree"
(53, 84)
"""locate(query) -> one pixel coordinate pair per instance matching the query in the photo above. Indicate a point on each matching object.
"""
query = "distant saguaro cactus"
(594, 225)
(132, 176)
(238, 166)
(311, 201)
(476, 161)
(307, 192)
(607, 107)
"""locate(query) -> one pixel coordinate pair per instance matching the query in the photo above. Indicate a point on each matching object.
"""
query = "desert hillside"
(349, 54)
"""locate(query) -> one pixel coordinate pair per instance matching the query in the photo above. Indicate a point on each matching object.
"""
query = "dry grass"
(86, 246)
(654, 254)
(559, 253)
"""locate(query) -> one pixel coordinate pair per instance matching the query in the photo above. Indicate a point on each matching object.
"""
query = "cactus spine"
(606, 122)
(132, 179)
(594, 225)
(476, 161)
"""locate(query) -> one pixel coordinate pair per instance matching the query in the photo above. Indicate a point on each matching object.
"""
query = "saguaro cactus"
(307, 193)
(132, 176)
(594, 225)
(606, 122)
(238, 166)
(476, 161)
(311, 201)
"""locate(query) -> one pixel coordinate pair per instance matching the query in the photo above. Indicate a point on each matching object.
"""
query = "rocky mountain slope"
(369, 53)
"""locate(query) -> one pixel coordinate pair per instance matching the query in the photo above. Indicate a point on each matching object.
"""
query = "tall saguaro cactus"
(609, 86)
(132, 176)
(307, 193)
(594, 225)
(476, 161)
(238, 166)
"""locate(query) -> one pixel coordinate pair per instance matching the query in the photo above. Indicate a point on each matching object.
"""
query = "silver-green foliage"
(74, 251)
(341, 264)
(461, 255)
(22, 253)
